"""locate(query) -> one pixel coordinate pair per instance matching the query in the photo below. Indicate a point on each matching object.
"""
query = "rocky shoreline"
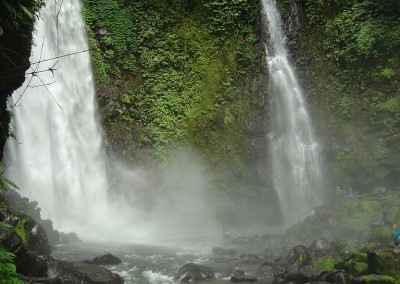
(346, 241)
(31, 240)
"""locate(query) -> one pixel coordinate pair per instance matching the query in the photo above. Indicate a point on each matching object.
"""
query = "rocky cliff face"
(355, 108)
(16, 27)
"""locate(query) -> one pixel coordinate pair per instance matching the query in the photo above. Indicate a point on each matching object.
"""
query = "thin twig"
(44, 60)
(61, 56)
(49, 92)
(47, 84)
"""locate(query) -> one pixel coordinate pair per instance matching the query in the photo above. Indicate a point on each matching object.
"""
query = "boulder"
(31, 233)
(239, 276)
(224, 255)
(106, 259)
(337, 277)
(194, 272)
(267, 271)
(250, 259)
(296, 258)
(319, 248)
(68, 238)
(91, 273)
(384, 261)
(374, 279)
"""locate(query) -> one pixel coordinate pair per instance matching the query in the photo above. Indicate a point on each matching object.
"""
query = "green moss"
(359, 256)
(19, 229)
(360, 268)
(175, 72)
(387, 264)
(369, 205)
(378, 279)
(360, 221)
(382, 235)
(326, 264)
(347, 129)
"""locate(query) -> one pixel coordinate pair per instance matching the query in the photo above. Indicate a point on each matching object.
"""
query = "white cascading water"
(57, 157)
(294, 150)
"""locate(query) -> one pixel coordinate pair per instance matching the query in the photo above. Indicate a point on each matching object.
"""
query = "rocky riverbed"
(346, 241)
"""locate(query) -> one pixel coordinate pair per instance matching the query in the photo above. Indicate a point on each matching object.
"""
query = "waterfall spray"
(58, 157)
(294, 150)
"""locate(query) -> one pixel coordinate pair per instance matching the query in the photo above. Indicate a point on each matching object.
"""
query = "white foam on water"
(157, 278)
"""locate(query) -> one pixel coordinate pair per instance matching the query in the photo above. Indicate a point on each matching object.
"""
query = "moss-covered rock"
(374, 279)
(384, 262)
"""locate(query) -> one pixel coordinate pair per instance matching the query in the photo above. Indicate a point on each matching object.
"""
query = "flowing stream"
(57, 155)
(294, 150)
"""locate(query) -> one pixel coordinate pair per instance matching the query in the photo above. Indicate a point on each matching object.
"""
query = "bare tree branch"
(41, 85)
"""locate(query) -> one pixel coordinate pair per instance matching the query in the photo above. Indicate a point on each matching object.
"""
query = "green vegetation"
(326, 264)
(19, 229)
(8, 272)
(173, 73)
(17, 16)
(357, 44)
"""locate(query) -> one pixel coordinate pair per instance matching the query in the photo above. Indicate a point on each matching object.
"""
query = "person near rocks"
(396, 239)
(226, 233)
(350, 192)
(338, 191)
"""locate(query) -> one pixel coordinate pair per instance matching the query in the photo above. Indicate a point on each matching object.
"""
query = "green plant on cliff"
(358, 46)
(17, 15)
(326, 264)
(8, 272)
(173, 71)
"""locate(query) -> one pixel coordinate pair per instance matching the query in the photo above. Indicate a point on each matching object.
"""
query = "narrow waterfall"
(294, 150)
(57, 155)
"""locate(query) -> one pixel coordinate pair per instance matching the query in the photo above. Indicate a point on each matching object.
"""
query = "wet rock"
(68, 238)
(106, 259)
(374, 279)
(384, 261)
(296, 258)
(240, 276)
(337, 277)
(218, 251)
(249, 259)
(91, 273)
(194, 272)
(266, 272)
(319, 248)
(224, 255)
(31, 233)
(296, 278)
(28, 242)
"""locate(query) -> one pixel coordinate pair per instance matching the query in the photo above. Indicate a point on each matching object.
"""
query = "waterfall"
(294, 150)
(56, 157)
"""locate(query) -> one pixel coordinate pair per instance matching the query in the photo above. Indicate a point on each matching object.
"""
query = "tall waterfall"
(294, 150)
(57, 155)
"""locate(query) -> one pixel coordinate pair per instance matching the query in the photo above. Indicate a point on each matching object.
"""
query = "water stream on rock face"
(294, 150)
(57, 155)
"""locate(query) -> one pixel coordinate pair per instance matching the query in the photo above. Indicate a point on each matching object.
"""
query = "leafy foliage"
(8, 272)
(17, 15)
(180, 70)
(357, 43)
(229, 16)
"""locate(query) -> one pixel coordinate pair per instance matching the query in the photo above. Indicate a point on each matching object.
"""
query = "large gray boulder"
(194, 272)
